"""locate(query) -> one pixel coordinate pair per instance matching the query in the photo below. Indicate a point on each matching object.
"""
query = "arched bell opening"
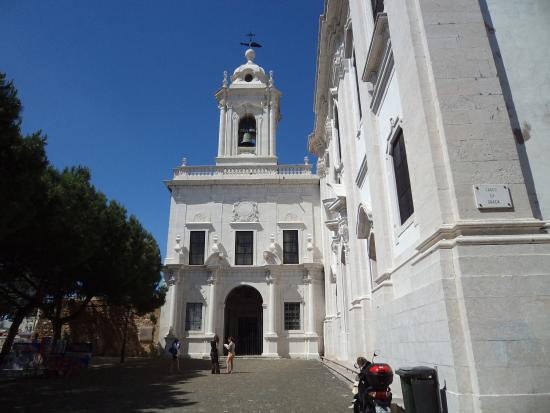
(243, 320)
(247, 131)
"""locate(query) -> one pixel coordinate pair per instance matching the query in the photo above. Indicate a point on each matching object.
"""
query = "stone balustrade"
(217, 170)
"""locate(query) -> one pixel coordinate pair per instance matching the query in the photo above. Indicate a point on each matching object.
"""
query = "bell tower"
(249, 113)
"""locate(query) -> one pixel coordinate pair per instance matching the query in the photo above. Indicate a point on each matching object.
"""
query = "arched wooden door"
(243, 320)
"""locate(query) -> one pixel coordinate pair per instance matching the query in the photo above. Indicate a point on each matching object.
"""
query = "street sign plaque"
(492, 197)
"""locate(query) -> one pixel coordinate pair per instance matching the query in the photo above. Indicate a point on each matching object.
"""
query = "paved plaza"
(145, 385)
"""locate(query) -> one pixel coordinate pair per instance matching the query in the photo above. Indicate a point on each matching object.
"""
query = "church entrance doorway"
(243, 320)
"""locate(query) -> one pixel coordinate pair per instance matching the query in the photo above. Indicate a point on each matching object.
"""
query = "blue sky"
(126, 87)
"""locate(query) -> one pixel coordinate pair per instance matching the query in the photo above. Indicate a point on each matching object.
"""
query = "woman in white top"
(230, 354)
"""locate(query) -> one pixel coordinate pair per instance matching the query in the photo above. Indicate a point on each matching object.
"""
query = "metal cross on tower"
(250, 43)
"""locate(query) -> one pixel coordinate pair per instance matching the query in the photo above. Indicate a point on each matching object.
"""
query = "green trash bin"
(420, 389)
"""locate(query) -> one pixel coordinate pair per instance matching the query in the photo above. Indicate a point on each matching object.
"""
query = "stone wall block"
(498, 171)
(497, 330)
(502, 265)
(490, 354)
(505, 380)
(438, 30)
(525, 352)
(493, 309)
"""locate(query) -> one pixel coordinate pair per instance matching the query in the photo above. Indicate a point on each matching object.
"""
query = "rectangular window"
(290, 247)
(337, 127)
(292, 316)
(193, 316)
(357, 86)
(402, 181)
(244, 244)
(196, 248)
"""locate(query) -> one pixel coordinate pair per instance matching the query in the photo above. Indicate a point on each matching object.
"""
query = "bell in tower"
(247, 131)
(249, 114)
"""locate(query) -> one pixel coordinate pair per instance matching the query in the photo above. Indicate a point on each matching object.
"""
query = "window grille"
(290, 247)
(196, 248)
(402, 181)
(193, 316)
(243, 247)
(292, 316)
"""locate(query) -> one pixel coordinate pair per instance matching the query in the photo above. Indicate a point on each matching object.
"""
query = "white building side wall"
(456, 287)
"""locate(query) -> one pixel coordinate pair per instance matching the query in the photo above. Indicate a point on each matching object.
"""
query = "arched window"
(247, 131)
(364, 224)
(372, 260)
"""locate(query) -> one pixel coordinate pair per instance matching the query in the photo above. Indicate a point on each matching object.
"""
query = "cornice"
(244, 180)
(314, 268)
(331, 25)
(485, 228)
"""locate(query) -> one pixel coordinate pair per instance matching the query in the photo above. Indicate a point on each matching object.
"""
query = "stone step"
(346, 373)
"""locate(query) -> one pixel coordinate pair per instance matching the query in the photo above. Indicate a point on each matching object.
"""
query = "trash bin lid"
(419, 372)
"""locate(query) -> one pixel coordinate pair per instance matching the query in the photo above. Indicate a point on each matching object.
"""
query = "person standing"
(214, 355)
(174, 351)
(230, 346)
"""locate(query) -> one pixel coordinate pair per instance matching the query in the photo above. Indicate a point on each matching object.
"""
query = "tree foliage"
(61, 241)
(22, 164)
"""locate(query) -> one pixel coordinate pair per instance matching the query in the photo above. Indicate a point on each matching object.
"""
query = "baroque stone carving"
(291, 217)
(215, 247)
(199, 218)
(307, 277)
(270, 254)
(321, 170)
(334, 245)
(211, 277)
(245, 212)
(309, 249)
(170, 278)
(343, 231)
(178, 247)
(204, 293)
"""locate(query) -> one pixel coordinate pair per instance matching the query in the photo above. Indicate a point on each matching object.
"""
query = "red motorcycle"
(374, 393)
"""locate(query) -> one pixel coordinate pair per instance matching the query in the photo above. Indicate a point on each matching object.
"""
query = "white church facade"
(244, 256)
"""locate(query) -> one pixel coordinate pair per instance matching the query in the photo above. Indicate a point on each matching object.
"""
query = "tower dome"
(249, 72)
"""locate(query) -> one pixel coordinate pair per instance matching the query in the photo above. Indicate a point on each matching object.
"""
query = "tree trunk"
(56, 321)
(12, 332)
(125, 335)
(56, 327)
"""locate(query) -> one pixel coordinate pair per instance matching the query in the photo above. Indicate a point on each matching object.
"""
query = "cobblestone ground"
(145, 385)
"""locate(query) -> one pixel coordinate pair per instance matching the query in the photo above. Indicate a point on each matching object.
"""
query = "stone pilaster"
(271, 337)
(211, 321)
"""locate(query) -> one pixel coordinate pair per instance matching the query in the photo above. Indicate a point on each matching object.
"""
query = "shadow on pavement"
(135, 386)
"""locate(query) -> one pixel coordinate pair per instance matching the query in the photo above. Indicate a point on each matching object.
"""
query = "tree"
(23, 163)
(71, 233)
(61, 242)
(123, 268)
